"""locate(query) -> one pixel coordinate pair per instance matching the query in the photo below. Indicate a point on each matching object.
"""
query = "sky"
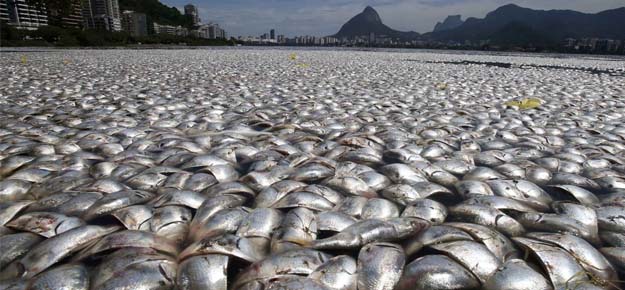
(325, 17)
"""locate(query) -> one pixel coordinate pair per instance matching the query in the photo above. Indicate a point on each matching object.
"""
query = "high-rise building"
(102, 15)
(272, 34)
(22, 15)
(70, 19)
(135, 23)
(170, 29)
(191, 10)
(214, 32)
(4, 12)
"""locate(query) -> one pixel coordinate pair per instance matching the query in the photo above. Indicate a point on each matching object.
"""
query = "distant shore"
(616, 57)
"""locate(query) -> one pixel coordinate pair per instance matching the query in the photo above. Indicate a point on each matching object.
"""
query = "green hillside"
(157, 12)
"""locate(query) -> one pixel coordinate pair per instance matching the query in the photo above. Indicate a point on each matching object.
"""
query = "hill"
(367, 22)
(537, 26)
(451, 22)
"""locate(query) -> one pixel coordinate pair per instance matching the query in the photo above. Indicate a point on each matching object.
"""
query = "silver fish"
(68, 276)
(373, 230)
(515, 274)
(380, 265)
(436, 272)
(203, 272)
(339, 272)
(473, 256)
(52, 250)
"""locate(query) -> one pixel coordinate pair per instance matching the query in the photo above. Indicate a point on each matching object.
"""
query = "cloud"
(325, 17)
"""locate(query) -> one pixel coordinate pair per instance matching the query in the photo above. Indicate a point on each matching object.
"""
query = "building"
(272, 34)
(4, 12)
(211, 31)
(191, 10)
(102, 15)
(22, 15)
(170, 29)
(214, 32)
(135, 23)
(73, 19)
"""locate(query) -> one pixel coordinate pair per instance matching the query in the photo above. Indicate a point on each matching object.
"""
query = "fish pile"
(237, 169)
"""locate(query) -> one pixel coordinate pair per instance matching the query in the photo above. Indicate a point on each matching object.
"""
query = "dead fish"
(293, 283)
(473, 256)
(516, 274)
(134, 217)
(426, 209)
(567, 273)
(615, 256)
(8, 210)
(380, 266)
(378, 208)
(433, 235)
(190, 199)
(203, 272)
(611, 218)
(114, 201)
(68, 276)
(14, 190)
(352, 206)
(294, 262)
(584, 253)
(224, 221)
(229, 245)
(129, 238)
(496, 242)
(210, 206)
(521, 190)
(373, 230)
(270, 195)
(14, 246)
(52, 250)
(158, 274)
(339, 272)
(333, 221)
(69, 203)
(259, 226)
(171, 222)
(298, 228)
(486, 216)
(46, 224)
(436, 272)
(120, 259)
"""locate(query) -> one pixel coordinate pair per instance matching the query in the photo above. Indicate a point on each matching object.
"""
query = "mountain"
(451, 22)
(537, 26)
(157, 12)
(367, 22)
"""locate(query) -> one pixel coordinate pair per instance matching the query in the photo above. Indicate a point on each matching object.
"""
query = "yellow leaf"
(525, 104)
(293, 56)
(303, 65)
(441, 86)
(23, 59)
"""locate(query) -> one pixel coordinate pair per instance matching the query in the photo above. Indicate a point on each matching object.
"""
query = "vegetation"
(156, 12)
(55, 36)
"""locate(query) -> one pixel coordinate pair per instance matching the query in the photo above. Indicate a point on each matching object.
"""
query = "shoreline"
(551, 54)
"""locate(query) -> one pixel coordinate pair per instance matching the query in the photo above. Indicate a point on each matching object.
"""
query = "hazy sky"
(325, 17)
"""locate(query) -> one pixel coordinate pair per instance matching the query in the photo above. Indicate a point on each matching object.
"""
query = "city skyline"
(307, 17)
